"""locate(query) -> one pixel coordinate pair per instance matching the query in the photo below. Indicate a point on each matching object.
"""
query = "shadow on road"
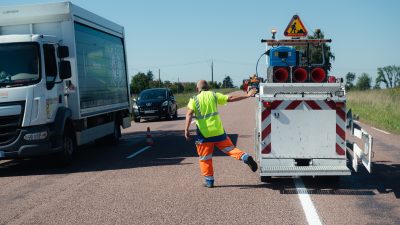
(151, 120)
(170, 148)
(385, 179)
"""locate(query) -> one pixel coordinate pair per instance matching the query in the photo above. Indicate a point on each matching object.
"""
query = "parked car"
(155, 103)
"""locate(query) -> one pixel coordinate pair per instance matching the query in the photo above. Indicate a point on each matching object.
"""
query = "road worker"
(210, 131)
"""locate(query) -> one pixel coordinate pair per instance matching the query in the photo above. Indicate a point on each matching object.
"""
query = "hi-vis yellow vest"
(205, 107)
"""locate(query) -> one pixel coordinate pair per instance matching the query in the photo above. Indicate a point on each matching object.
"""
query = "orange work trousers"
(205, 151)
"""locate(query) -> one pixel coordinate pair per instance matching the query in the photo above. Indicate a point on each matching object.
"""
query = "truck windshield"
(19, 64)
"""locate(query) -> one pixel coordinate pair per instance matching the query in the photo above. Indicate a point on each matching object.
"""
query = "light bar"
(285, 42)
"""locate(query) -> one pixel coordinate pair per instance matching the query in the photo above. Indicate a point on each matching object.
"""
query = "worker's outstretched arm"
(235, 98)
(189, 115)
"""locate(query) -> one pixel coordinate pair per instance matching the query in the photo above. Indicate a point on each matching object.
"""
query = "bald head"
(202, 85)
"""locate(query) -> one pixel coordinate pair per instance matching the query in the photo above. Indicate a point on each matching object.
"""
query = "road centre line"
(380, 130)
(138, 152)
(308, 206)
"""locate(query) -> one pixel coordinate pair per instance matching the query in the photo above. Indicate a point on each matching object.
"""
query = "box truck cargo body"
(63, 79)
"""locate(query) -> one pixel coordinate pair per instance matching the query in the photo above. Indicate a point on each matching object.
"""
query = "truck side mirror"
(65, 70)
(62, 51)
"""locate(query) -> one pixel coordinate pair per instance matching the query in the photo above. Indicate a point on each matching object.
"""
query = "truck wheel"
(266, 179)
(136, 119)
(68, 147)
(176, 114)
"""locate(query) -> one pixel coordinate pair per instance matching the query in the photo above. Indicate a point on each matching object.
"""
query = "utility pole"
(177, 86)
(212, 74)
(159, 78)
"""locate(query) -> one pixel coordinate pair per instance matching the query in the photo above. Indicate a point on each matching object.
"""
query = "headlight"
(164, 103)
(36, 136)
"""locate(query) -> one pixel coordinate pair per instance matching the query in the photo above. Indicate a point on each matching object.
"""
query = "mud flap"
(360, 155)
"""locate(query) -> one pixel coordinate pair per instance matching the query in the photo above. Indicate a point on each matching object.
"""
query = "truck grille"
(10, 127)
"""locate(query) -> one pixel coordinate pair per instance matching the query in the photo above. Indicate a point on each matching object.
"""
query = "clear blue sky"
(182, 37)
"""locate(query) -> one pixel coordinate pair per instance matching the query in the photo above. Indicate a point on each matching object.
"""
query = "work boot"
(209, 183)
(252, 164)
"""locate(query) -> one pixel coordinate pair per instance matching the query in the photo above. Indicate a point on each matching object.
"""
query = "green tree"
(150, 75)
(389, 75)
(155, 84)
(350, 77)
(227, 82)
(316, 51)
(214, 85)
(189, 87)
(167, 84)
(139, 82)
(179, 87)
(363, 82)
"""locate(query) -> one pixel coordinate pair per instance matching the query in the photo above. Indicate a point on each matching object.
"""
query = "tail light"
(267, 105)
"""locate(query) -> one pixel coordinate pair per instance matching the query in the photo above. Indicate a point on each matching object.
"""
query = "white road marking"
(306, 203)
(138, 152)
(380, 130)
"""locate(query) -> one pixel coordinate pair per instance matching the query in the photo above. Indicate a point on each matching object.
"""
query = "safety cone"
(149, 139)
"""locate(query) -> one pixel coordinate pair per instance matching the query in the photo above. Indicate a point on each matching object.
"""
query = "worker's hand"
(187, 135)
(252, 92)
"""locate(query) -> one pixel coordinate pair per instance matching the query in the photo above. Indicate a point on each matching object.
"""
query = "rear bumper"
(305, 171)
(22, 148)
(316, 167)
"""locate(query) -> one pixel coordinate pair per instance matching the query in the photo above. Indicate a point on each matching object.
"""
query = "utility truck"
(301, 115)
(63, 80)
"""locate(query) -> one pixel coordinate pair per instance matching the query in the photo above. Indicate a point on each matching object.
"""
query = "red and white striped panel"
(309, 105)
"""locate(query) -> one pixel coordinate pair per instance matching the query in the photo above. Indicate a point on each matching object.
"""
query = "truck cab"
(63, 80)
(32, 70)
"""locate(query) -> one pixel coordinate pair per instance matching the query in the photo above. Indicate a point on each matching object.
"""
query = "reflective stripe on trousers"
(206, 157)
(205, 152)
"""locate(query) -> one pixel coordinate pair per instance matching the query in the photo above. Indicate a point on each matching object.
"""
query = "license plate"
(149, 111)
(2, 154)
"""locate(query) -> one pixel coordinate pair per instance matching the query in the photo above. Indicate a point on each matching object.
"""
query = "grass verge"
(379, 108)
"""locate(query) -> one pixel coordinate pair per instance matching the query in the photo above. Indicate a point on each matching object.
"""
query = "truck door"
(54, 89)
(362, 152)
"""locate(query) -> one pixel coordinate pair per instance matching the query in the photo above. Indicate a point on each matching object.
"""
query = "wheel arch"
(62, 120)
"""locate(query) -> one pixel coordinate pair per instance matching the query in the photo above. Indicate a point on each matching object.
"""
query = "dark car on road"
(155, 103)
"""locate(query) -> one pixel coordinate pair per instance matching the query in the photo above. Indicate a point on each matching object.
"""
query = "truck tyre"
(136, 119)
(266, 179)
(68, 147)
(176, 114)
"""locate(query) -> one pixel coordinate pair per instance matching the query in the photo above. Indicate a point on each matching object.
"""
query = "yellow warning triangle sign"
(295, 28)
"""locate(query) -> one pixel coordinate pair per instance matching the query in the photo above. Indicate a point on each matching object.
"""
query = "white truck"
(63, 80)
(301, 116)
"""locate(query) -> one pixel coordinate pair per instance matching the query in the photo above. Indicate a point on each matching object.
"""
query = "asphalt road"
(131, 184)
